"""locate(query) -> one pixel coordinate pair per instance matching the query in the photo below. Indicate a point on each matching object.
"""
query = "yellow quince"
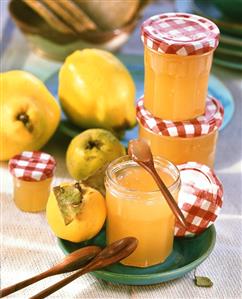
(96, 90)
(29, 113)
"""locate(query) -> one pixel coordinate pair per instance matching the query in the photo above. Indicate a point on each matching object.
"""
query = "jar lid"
(180, 33)
(32, 166)
(210, 121)
(200, 198)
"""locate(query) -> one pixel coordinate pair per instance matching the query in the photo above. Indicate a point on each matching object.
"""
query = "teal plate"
(187, 254)
(135, 65)
(209, 10)
(228, 61)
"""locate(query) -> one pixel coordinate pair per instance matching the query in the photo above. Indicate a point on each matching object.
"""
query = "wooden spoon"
(71, 262)
(139, 151)
(111, 254)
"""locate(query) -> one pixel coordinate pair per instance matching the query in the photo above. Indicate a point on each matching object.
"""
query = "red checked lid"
(200, 198)
(32, 166)
(180, 33)
(210, 121)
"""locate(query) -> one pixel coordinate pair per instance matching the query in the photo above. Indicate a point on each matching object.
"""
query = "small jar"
(32, 175)
(180, 142)
(178, 52)
(135, 207)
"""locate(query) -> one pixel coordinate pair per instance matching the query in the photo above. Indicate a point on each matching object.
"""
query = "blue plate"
(187, 254)
(135, 65)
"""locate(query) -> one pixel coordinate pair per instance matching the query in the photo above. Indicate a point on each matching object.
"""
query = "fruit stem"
(78, 186)
(24, 118)
(93, 143)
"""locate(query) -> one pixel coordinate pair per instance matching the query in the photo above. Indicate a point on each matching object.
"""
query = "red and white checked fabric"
(210, 121)
(180, 33)
(32, 166)
(200, 198)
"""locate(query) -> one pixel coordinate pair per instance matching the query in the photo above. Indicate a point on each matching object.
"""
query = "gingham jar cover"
(200, 198)
(210, 121)
(180, 33)
(32, 166)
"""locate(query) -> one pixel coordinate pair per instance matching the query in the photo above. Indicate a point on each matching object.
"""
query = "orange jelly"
(175, 87)
(32, 175)
(178, 52)
(180, 142)
(179, 150)
(136, 208)
(31, 196)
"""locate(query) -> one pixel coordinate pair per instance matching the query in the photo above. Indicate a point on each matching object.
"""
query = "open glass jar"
(135, 207)
(180, 142)
(178, 52)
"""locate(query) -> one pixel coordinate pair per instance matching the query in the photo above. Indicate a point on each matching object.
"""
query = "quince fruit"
(75, 212)
(89, 153)
(29, 113)
(96, 90)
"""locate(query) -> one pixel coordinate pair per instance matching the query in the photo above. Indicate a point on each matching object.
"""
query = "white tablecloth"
(29, 247)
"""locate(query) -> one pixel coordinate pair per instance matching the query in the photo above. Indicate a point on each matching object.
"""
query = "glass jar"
(180, 142)
(31, 196)
(32, 176)
(178, 52)
(179, 150)
(135, 207)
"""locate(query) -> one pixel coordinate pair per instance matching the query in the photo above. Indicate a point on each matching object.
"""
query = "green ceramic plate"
(187, 254)
(227, 60)
(233, 51)
(231, 40)
(208, 10)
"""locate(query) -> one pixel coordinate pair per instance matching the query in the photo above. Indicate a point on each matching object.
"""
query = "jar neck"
(123, 163)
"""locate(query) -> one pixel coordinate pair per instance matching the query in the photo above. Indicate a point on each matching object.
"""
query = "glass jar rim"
(130, 192)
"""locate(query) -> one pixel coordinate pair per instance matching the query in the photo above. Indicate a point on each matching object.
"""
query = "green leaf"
(202, 281)
(70, 201)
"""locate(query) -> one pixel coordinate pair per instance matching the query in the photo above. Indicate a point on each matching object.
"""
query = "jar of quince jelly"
(178, 52)
(136, 207)
(32, 175)
(180, 142)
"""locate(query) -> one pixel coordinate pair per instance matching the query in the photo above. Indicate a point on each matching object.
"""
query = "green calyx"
(70, 201)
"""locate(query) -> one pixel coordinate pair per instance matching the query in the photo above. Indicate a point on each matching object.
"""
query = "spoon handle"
(169, 198)
(73, 261)
(22, 284)
(60, 284)
(111, 254)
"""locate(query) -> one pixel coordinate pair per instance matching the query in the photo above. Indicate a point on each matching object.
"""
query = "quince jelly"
(32, 175)
(179, 150)
(180, 142)
(178, 52)
(31, 196)
(135, 207)
(175, 87)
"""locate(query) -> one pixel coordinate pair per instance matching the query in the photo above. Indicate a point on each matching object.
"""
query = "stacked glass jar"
(175, 114)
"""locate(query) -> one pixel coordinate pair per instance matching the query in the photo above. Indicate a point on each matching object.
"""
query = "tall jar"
(178, 52)
(135, 207)
(183, 141)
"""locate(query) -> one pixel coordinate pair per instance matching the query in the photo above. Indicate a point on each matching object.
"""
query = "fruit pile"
(97, 94)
